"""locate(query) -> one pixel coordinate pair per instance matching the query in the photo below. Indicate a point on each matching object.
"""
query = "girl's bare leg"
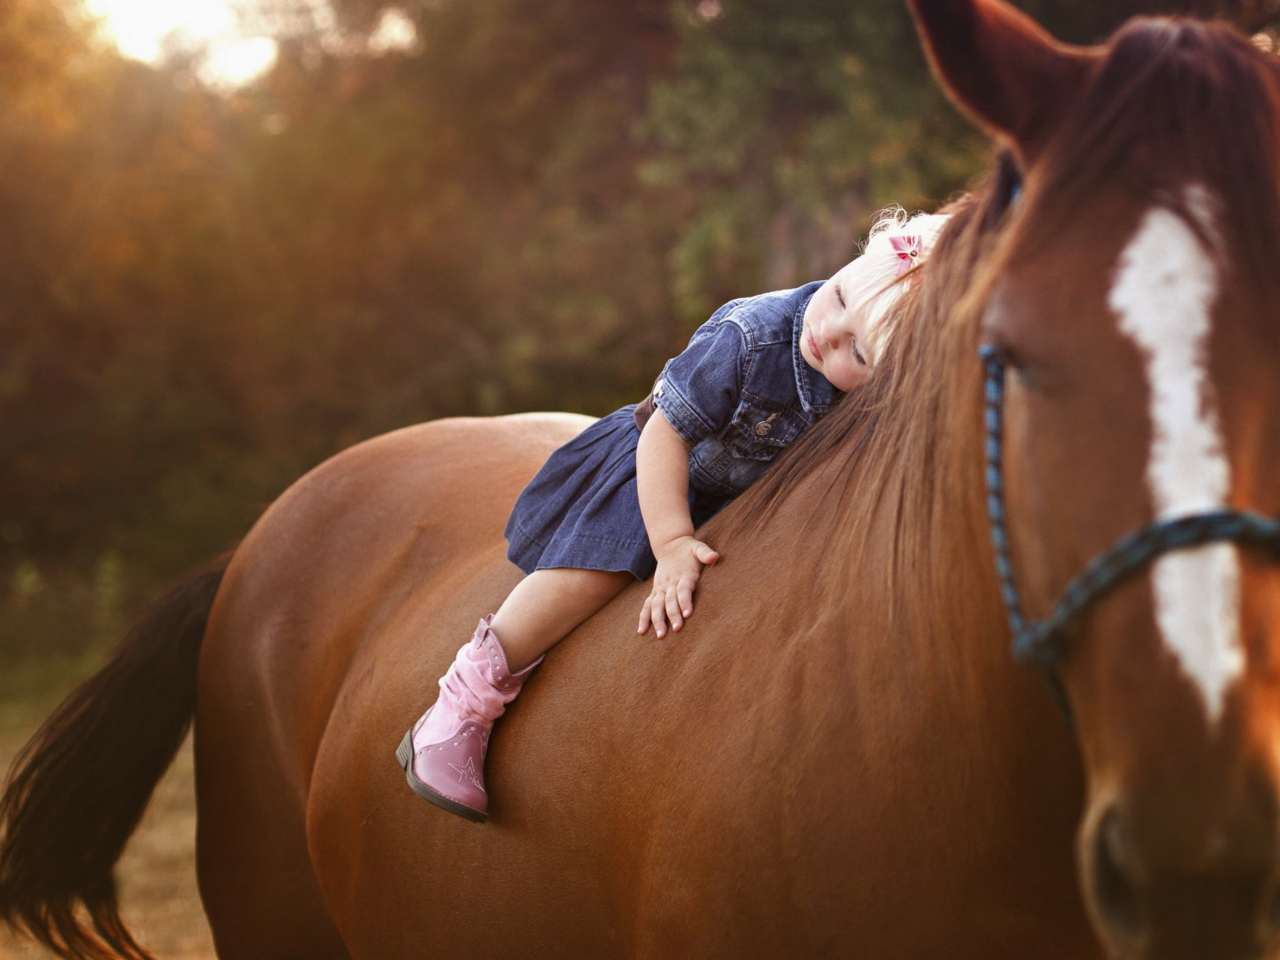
(546, 605)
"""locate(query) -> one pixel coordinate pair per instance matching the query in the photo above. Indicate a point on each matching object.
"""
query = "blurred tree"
(790, 122)
(499, 162)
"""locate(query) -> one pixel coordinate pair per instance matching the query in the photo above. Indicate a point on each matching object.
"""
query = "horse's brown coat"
(785, 777)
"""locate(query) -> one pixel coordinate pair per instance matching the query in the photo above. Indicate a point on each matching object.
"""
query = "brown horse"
(837, 757)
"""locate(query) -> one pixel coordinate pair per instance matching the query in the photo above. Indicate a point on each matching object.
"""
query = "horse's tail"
(78, 789)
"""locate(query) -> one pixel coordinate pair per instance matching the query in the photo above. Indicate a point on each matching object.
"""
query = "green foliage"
(790, 122)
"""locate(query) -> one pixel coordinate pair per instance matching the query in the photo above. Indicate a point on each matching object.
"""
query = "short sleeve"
(698, 391)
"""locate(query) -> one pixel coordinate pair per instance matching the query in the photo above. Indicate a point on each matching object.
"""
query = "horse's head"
(1133, 292)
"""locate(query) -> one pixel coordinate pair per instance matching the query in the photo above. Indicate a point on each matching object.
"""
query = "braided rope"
(1042, 643)
(994, 398)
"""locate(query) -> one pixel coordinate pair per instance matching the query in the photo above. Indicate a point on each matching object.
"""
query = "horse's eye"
(993, 348)
(1013, 362)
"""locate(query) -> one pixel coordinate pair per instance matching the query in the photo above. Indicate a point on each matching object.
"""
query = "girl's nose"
(821, 332)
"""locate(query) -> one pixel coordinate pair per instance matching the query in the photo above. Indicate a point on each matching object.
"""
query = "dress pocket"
(762, 427)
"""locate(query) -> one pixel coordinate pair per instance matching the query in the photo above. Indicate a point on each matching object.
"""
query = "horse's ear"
(1000, 66)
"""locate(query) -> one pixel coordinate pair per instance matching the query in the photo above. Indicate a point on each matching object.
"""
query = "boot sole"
(404, 754)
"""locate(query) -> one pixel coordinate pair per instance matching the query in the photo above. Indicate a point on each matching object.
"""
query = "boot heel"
(404, 752)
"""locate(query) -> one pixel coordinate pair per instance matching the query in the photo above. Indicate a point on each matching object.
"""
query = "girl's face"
(834, 338)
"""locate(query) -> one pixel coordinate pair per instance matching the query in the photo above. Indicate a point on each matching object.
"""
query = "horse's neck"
(892, 594)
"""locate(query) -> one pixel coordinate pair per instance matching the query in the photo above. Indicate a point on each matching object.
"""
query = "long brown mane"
(903, 450)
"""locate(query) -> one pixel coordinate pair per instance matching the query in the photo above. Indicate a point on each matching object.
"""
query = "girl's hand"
(680, 566)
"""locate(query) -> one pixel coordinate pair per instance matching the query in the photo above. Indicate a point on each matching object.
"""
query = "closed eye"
(857, 354)
(839, 295)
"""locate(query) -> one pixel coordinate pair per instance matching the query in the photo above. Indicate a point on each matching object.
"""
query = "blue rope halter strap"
(1043, 643)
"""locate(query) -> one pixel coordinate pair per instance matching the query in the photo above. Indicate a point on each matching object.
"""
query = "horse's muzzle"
(1188, 882)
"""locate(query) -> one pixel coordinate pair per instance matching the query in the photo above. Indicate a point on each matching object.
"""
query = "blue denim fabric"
(741, 391)
(582, 510)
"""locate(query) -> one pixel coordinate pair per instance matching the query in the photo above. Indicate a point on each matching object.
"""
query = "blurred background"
(238, 236)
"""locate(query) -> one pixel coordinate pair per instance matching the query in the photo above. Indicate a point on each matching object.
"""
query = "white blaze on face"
(1164, 291)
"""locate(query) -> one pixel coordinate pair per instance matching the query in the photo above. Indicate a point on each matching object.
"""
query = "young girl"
(624, 498)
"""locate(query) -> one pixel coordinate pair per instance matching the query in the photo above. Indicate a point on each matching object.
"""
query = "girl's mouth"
(813, 345)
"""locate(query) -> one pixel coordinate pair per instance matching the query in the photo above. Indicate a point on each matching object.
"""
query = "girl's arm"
(662, 480)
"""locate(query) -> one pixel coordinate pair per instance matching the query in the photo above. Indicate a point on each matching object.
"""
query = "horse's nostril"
(1114, 893)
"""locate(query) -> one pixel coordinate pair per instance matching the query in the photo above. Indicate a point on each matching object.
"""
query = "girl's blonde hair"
(897, 245)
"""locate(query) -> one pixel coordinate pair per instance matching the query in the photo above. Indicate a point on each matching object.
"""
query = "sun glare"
(232, 54)
(145, 29)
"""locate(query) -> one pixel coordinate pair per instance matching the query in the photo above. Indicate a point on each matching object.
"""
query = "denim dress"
(738, 395)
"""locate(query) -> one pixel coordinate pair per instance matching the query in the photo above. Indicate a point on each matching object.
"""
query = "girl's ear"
(1001, 67)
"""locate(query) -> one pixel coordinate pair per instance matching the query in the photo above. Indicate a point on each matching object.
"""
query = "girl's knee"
(605, 583)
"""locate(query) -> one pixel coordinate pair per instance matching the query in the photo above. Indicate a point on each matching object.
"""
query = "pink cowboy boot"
(443, 754)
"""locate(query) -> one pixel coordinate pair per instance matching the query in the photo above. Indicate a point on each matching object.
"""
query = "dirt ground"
(156, 875)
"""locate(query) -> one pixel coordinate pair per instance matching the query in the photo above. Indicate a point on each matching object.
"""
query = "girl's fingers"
(644, 619)
(657, 615)
(671, 601)
(673, 610)
(684, 596)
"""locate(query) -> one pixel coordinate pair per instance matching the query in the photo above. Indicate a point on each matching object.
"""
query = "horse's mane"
(1172, 102)
(896, 444)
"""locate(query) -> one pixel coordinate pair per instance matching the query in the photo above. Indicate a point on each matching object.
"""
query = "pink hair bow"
(908, 248)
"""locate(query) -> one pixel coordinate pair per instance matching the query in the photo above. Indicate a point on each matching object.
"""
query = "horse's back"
(344, 573)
